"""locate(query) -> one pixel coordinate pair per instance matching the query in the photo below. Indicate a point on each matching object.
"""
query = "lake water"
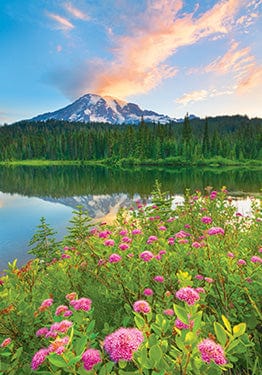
(28, 193)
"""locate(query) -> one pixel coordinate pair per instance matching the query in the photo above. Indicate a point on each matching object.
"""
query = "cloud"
(252, 79)
(200, 95)
(139, 58)
(62, 22)
(75, 12)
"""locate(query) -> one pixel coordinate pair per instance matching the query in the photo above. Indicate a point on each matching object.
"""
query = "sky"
(170, 56)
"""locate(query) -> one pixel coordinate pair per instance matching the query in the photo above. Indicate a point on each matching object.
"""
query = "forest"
(236, 138)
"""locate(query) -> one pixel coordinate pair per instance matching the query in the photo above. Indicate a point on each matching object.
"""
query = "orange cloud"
(252, 79)
(139, 58)
(199, 95)
(75, 12)
(62, 23)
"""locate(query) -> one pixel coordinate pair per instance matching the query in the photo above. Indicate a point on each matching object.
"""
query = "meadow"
(160, 291)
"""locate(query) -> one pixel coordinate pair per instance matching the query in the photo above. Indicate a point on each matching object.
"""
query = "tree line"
(233, 137)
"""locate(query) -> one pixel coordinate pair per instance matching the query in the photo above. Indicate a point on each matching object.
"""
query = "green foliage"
(45, 246)
(196, 246)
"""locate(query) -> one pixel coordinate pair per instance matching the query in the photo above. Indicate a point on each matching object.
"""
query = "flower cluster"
(188, 295)
(141, 307)
(121, 344)
(211, 351)
(90, 358)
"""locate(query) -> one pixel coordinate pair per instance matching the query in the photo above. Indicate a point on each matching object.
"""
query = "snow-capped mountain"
(95, 108)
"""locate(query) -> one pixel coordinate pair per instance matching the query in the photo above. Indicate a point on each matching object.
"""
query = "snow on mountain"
(95, 108)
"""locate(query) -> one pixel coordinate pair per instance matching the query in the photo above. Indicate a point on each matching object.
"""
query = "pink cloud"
(75, 12)
(62, 23)
(252, 79)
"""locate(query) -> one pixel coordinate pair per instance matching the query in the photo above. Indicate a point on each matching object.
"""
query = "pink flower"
(151, 239)
(209, 280)
(215, 230)
(39, 358)
(196, 245)
(168, 312)
(109, 242)
(230, 255)
(45, 304)
(6, 342)
(42, 331)
(67, 313)
(170, 220)
(183, 241)
(211, 351)
(256, 259)
(199, 277)
(121, 344)
(162, 252)
(206, 219)
(148, 292)
(213, 194)
(182, 234)
(141, 307)
(146, 256)
(200, 290)
(188, 294)
(187, 226)
(91, 357)
(180, 325)
(162, 227)
(61, 309)
(104, 234)
(81, 304)
(115, 258)
(137, 231)
(126, 239)
(159, 279)
(65, 256)
(123, 232)
(241, 262)
(58, 346)
(71, 296)
(260, 250)
(123, 246)
(61, 327)
(171, 241)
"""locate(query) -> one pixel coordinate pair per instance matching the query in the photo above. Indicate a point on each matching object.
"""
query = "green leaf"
(239, 329)
(220, 333)
(226, 323)
(181, 313)
(56, 360)
(155, 353)
(190, 338)
(139, 321)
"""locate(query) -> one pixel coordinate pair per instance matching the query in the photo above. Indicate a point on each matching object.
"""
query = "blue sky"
(171, 56)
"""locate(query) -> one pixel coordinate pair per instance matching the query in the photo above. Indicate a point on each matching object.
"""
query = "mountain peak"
(97, 108)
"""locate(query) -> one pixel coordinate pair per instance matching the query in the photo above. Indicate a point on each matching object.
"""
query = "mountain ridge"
(108, 109)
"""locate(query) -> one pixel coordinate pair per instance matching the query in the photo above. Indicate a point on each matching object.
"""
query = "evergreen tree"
(205, 142)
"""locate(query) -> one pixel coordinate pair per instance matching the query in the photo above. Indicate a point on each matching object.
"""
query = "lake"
(28, 193)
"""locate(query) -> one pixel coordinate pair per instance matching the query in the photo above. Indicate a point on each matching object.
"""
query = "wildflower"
(148, 292)
(101, 262)
(256, 259)
(215, 230)
(209, 280)
(91, 357)
(104, 234)
(171, 241)
(162, 227)
(182, 234)
(180, 325)
(65, 256)
(123, 246)
(130, 255)
(249, 280)
(183, 241)
(58, 346)
(146, 256)
(168, 293)
(2, 282)
(42, 331)
(121, 344)
(196, 244)
(115, 258)
(126, 239)
(187, 226)
(188, 294)
(71, 296)
(241, 262)
(162, 252)
(45, 304)
(137, 231)
(39, 358)
(61, 309)
(109, 242)
(151, 218)
(67, 313)
(123, 232)
(170, 220)
(200, 290)
(206, 219)
(151, 239)
(141, 307)
(211, 351)
(81, 304)
(159, 279)
(260, 250)
(199, 277)
(230, 255)
(168, 312)
(62, 326)
(213, 194)
(6, 342)
(239, 214)
(93, 231)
